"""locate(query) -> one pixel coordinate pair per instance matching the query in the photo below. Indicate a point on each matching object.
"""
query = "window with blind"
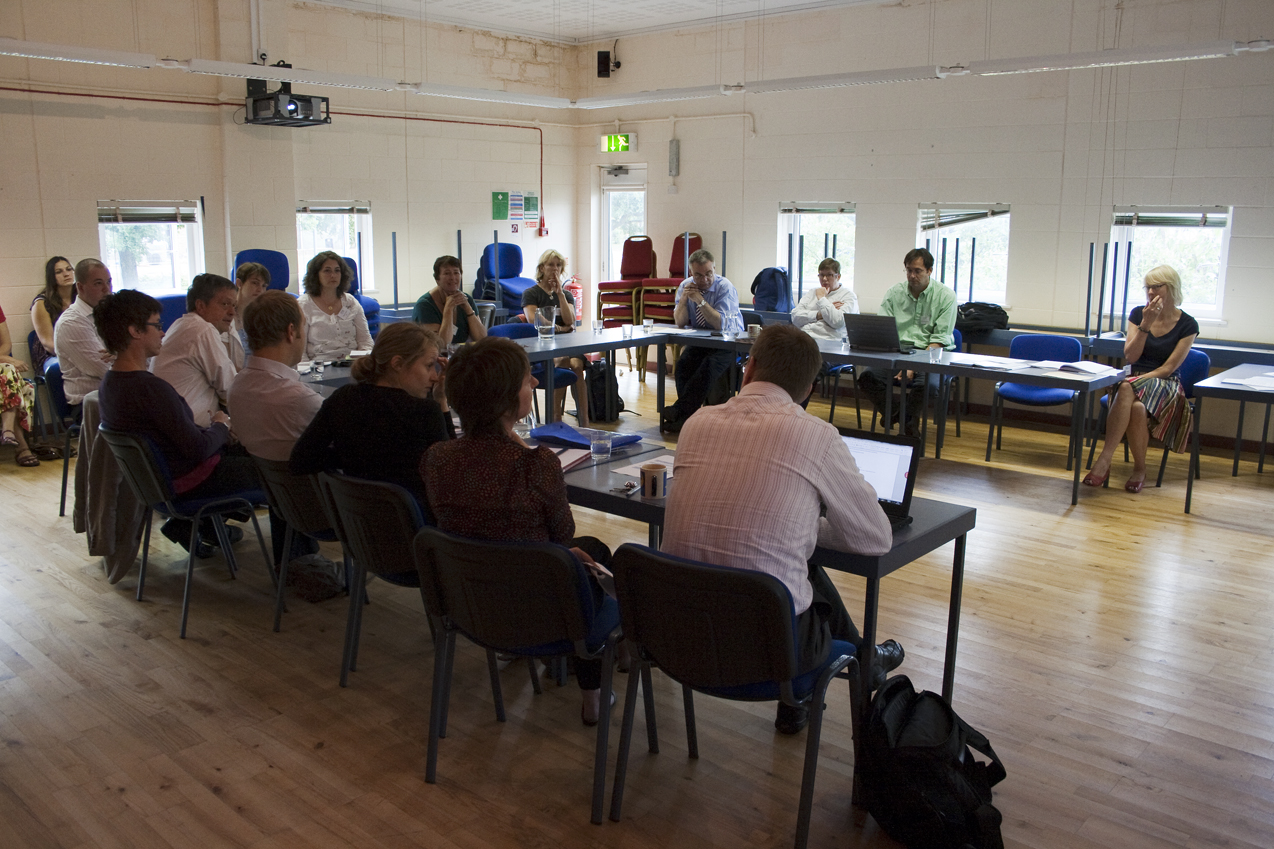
(343, 226)
(1193, 240)
(970, 247)
(817, 231)
(152, 245)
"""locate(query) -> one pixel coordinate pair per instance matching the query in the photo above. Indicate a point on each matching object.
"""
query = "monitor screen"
(885, 465)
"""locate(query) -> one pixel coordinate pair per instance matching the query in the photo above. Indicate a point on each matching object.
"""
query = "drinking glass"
(544, 320)
(599, 444)
(627, 330)
(647, 324)
(598, 325)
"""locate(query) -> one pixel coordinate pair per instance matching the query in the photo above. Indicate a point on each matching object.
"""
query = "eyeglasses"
(156, 324)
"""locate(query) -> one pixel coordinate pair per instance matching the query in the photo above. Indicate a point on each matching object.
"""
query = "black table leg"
(550, 402)
(1194, 451)
(661, 360)
(1078, 450)
(867, 656)
(1238, 440)
(953, 619)
(1265, 431)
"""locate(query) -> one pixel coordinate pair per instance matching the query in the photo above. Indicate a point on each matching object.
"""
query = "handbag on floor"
(919, 776)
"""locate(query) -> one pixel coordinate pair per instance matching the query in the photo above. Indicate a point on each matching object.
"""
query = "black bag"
(977, 317)
(601, 380)
(920, 779)
(772, 291)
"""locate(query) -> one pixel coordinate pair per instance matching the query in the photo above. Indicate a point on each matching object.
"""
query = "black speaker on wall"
(603, 63)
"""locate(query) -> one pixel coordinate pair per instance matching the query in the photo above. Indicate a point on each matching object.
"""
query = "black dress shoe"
(791, 720)
(888, 657)
(208, 532)
(178, 531)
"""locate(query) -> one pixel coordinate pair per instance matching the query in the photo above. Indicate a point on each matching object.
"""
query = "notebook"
(889, 464)
(874, 333)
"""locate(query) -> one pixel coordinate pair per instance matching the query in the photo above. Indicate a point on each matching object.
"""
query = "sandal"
(26, 459)
(8, 437)
(46, 452)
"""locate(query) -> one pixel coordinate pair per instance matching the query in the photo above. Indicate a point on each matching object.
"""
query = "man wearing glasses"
(705, 301)
(821, 313)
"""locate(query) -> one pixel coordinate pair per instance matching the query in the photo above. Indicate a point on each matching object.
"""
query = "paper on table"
(1257, 382)
(989, 362)
(572, 457)
(1087, 367)
(635, 468)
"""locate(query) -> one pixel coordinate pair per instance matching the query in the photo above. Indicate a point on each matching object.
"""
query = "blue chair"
(1033, 346)
(1194, 368)
(147, 476)
(512, 284)
(371, 306)
(171, 308)
(67, 417)
(37, 378)
(275, 261)
(526, 599)
(562, 377)
(835, 373)
(725, 632)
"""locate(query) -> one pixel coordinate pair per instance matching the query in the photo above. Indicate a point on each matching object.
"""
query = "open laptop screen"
(886, 464)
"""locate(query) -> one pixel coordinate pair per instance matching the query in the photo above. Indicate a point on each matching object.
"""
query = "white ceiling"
(582, 21)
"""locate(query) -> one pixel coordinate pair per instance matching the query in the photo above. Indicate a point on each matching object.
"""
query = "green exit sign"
(618, 143)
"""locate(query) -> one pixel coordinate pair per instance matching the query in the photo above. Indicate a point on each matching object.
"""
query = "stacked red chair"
(619, 301)
(659, 294)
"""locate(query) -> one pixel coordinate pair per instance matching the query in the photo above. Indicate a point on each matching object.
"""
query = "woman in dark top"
(137, 402)
(1151, 402)
(488, 485)
(445, 309)
(549, 292)
(57, 295)
(378, 427)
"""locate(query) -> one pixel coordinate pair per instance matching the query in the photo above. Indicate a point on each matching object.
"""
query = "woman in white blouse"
(334, 319)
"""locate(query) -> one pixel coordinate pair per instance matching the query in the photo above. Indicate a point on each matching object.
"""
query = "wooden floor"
(1117, 653)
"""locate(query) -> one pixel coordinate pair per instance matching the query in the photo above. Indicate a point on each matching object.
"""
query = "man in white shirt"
(752, 476)
(270, 405)
(80, 351)
(194, 358)
(821, 312)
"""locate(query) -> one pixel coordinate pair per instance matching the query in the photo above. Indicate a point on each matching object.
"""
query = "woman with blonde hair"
(1151, 402)
(379, 426)
(548, 291)
(334, 320)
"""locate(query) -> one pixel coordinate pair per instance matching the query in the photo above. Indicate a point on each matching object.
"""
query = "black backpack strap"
(978, 742)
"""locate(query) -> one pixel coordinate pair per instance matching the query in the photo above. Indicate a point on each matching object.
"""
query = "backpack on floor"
(601, 380)
(920, 779)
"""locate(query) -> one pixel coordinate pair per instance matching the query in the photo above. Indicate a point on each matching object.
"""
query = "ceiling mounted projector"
(282, 108)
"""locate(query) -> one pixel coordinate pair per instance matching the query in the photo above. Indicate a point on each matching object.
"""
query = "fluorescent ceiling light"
(663, 95)
(63, 53)
(1104, 58)
(894, 75)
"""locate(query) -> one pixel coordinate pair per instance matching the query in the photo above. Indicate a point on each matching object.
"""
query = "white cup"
(754, 330)
(654, 480)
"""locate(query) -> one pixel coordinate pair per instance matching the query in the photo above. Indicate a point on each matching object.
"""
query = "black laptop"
(889, 464)
(877, 333)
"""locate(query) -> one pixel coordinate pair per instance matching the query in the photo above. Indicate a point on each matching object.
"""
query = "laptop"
(874, 333)
(889, 464)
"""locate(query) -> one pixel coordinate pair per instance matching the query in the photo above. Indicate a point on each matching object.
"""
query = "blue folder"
(560, 433)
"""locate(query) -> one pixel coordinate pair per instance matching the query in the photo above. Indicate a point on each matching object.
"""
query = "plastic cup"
(935, 355)
(627, 330)
(647, 324)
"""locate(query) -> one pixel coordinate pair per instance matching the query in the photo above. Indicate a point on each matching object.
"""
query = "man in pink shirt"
(752, 477)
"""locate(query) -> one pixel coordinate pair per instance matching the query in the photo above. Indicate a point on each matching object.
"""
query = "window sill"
(1212, 322)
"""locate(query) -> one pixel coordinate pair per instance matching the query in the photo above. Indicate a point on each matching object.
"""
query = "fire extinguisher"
(577, 292)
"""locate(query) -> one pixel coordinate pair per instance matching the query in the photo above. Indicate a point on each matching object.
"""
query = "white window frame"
(362, 212)
(188, 213)
(632, 180)
(932, 218)
(1124, 224)
(790, 213)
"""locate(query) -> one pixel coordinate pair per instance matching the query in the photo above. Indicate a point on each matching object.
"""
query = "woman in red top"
(489, 485)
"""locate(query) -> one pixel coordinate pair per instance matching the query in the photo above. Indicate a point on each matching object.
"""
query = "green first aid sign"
(500, 206)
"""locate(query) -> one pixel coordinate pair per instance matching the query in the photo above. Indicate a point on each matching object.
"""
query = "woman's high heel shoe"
(1092, 480)
(1135, 486)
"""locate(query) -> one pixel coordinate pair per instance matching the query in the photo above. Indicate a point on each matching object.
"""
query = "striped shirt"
(749, 477)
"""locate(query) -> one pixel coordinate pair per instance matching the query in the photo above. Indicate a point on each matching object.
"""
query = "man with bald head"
(80, 351)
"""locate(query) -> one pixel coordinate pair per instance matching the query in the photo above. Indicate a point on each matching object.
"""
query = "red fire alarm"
(544, 226)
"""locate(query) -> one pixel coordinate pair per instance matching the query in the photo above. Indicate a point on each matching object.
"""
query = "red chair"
(619, 301)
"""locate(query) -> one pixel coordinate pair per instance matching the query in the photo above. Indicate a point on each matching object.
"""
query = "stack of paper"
(1260, 381)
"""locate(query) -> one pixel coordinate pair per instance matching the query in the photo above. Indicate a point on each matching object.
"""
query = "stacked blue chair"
(512, 284)
(276, 262)
(171, 308)
(562, 377)
(1033, 346)
(371, 306)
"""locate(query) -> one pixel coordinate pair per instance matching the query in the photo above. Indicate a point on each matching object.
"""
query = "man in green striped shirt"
(925, 311)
